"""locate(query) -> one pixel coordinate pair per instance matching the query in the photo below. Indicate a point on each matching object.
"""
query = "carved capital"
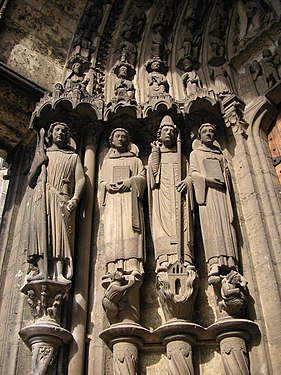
(234, 115)
(45, 298)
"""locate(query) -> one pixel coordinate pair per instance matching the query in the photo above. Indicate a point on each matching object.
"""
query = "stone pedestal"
(44, 339)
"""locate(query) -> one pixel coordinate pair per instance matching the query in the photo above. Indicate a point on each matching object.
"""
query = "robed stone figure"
(210, 177)
(123, 181)
(170, 199)
(58, 180)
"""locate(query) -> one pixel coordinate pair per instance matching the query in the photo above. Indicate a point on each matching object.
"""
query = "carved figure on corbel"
(76, 83)
(115, 299)
(234, 294)
(171, 203)
(123, 88)
(157, 81)
(57, 179)
(190, 78)
(211, 181)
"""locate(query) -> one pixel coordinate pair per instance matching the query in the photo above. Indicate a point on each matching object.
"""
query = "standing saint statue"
(58, 180)
(171, 211)
(123, 181)
(211, 180)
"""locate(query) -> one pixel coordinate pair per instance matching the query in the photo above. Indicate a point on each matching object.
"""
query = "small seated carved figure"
(157, 81)
(77, 79)
(54, 310)
(123, 88)
(234, 293)
(114, 299)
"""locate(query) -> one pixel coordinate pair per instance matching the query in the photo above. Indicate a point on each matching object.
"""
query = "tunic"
(60, 187)
(123, 212)
(215, 208)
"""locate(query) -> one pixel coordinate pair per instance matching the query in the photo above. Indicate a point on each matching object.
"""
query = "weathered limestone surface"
(107, 67)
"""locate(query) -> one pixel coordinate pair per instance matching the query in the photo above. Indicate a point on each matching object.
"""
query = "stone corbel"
(233, 114)
(45, 335)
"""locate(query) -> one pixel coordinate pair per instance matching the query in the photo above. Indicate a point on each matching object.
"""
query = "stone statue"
(78, 79)
(114, 299)
(211, 180)
(190, 78)
(257, 76)
(258, 16)
(58, 180)
(123, 88)
(167, 183)
(157, 81)
(122, 182)
(270, 67)
(128, 49)
(234, 293)
(221, 82)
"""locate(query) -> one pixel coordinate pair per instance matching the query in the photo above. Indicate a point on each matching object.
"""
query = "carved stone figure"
(270, 67)
(211, 182)
(128, 49)
(77, 78)
(123, 88)
(234, 293)
(258, 17)
(58, 180)
(114, 299)
(157, 81)
(220, 77)
(217, 34)
(123, 181)
(158, 45)
(190, 78)
(258, 77)
(166, 184)
(88, 25)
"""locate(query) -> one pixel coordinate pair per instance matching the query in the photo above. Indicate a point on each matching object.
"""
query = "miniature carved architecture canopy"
(141, 229)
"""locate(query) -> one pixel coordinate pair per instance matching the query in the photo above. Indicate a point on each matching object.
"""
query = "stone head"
(59, 134)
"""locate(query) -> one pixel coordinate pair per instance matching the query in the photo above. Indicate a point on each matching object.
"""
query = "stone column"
(80, 299)
(125, 355)
(179, 353)
(234, 353)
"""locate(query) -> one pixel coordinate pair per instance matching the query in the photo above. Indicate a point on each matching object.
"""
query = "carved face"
(207, 135)
(76, 68)
(122, 71)
(59, 135)
(168, 135)
(120, 141)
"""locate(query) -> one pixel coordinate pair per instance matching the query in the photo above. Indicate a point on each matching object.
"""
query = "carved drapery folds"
(179, 184)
